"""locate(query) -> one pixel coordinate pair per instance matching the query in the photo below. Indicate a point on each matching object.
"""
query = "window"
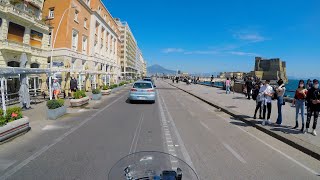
(84, 44)
(85, 23)
(76, 13)
(51, 13)
(88, 2)
(50, 37)
(105, 17)
(74, 40)
(99, 10)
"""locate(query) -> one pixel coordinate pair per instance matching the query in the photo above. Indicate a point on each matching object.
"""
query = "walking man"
(313, 98)
(249, 85)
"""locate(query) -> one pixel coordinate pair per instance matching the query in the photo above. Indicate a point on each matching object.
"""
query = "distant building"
(238, 75)
(271, 69)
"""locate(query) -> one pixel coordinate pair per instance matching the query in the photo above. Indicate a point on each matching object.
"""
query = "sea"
(290, 87)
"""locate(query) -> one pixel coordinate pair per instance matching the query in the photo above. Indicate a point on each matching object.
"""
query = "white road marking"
(134, 142)
(204, 125)
(179, 139)
(45, 148)
(234, 153)
(135, 148)
(52, 127)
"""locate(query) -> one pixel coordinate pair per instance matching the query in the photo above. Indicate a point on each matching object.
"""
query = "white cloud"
(173, 50)
(249, 36)
(201, 52)
(240, 53)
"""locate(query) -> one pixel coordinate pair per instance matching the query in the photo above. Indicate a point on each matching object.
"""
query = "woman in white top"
(280, 93)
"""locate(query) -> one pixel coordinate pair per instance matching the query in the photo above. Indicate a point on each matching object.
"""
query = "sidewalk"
(239, 106)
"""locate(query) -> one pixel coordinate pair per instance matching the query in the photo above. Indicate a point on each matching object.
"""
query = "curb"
(292, 141)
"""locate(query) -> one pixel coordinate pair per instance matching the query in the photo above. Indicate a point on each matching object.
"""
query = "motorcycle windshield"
(151, 165)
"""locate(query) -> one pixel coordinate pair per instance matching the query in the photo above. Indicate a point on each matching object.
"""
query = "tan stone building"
(22, 30)
(86, 45)
(271, 69)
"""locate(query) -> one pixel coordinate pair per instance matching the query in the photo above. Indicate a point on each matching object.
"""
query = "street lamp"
(52, 47)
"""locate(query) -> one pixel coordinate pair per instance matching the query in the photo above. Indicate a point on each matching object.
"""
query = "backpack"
(255, 94)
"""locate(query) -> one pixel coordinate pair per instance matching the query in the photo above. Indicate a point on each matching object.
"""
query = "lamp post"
(52, 47)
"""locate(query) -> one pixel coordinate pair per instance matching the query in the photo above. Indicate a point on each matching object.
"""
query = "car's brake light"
(134, 89)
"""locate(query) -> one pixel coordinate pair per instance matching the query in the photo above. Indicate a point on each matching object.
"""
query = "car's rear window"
(142, 85)
(147, 79)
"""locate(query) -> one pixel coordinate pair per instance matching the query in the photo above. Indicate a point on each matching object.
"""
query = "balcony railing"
(15, 46)
(33, 16)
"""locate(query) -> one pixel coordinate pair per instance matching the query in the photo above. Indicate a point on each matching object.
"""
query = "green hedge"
(113, 86)
(96, 91)
(105, 87)
(79, 94)
(12, 113)
(54, 104)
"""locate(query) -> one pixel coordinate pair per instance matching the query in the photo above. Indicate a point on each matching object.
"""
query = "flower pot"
(14, 128)
(54, 114)
(96, 96)
(106, 92)
(79, 102)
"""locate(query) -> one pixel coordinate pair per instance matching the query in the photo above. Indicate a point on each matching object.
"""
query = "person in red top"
(299, 100)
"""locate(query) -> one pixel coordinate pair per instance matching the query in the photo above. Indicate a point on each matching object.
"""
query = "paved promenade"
(240, 106)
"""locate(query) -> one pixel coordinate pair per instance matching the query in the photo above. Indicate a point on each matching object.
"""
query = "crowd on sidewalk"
(307, 96)
(57, 88)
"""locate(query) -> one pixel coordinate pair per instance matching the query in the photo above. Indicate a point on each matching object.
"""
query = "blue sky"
(214, 36)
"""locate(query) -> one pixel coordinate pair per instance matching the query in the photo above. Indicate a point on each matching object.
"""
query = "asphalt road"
(214, 144)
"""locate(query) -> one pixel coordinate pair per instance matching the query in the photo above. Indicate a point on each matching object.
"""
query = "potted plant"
(96, 94)
(56, 109)
(12, 123)
(105, 90)
(80, 98)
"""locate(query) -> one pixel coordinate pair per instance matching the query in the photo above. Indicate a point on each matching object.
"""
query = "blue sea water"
(291, 86)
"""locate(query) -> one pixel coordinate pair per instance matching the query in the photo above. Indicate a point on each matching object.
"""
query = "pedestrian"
(267, 92)
(232, 84)
(299, 101)
(249, 85)
(259, 99)
(56, 88)
(211, 80)
(198, 79)
(177, 79)
(313, 98)
(73, 86)
(280, 90)
(172, 79)
(309, 84)
(228, 83)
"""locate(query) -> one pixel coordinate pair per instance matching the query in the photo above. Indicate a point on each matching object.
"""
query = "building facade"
(129, 53)
(86, 42)
(271, 69)
(22, 30)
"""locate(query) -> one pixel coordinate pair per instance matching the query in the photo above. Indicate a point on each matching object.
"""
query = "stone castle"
(271, 69)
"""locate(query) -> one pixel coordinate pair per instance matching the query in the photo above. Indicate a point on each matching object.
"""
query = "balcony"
(20, 47)
(27, 15)
(37, 3)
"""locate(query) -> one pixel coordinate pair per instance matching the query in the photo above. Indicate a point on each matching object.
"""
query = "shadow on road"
(138, 102)
(286, 130)
(239, 124)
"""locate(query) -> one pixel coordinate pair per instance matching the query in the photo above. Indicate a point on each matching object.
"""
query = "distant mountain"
(154, 69)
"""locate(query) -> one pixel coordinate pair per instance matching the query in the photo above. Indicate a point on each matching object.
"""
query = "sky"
(216, 36)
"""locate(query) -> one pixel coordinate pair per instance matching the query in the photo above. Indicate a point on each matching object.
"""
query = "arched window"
(13, 64)
(34, 65)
